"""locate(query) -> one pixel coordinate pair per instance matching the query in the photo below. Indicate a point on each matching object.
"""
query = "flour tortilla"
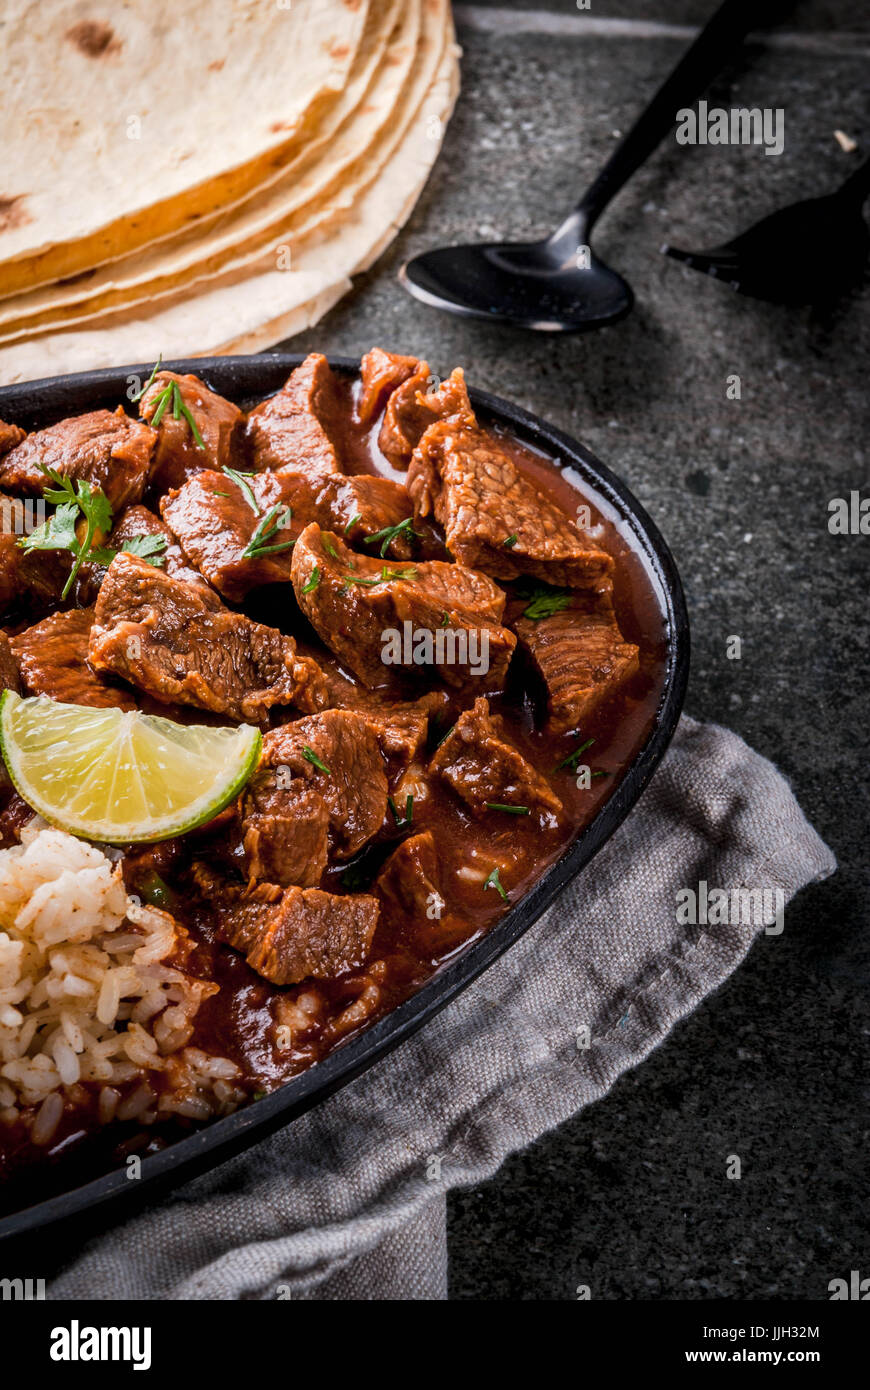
(251, 314)
(310, 193)
(202, 249)
(223, 93)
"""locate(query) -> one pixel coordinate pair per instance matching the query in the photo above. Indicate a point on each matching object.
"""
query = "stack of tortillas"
(186, 179)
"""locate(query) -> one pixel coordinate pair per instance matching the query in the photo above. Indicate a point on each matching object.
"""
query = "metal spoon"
(560, 285)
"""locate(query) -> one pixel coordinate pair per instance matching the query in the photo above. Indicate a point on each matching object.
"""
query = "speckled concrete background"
(631, 1197)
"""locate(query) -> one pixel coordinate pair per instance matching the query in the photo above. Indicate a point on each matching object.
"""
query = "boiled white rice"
(90, 1007)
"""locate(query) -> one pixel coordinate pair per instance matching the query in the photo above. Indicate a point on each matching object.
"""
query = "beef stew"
(464, 778)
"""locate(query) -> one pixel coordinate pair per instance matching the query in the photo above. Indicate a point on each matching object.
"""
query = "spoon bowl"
(542, 285)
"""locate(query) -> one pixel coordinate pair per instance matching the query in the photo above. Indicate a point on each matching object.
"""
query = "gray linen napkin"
(349, 1202)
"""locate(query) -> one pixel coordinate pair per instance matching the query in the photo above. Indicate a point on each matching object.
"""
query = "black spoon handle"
(857, 186)
(721, 36)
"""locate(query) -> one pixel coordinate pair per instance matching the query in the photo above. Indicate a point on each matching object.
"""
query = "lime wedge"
(121, 777)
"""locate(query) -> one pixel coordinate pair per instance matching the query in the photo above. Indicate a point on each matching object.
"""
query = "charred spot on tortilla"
(13, 213)
(93, 38)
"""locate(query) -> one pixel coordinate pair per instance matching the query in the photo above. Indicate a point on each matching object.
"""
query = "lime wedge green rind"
(120, 777)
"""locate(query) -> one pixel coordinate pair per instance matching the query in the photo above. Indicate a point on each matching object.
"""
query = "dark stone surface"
(631, 1197)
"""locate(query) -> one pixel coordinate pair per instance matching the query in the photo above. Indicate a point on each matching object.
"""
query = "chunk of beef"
(215, 523)
(580, 655)
(10, 677)
(10, 435)
(413, 408)
(431, 619)
(285, 829)
(291, 934)
(11, 558)
(15, 813)
(107, 449)
(172, 640)
(139, 521)
(453, 588)
(362, 506)
(53, 659)
(136, 523)
(177, 455)
(492, 516)
(294, 429)
(480, 765)
(337, 754)
(381, 373)
(401, 734)
(314, 934)
(401, 726)
(39, 574)
(409, 883)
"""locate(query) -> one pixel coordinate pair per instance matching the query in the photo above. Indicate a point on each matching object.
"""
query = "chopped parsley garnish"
(387, 573)
(353, 521)
(75, 500)
(150, 548)
(391, 533)
(355, 877)
(495, 882)
(310, 756)
(156, 891)
(573, 758)
(384, 577)
(408, 817)
(171, 395)
(545, 601)
(504, 806)
(511, 540)
(154, 370)
(356, 579)
(241, 482)
(445, 621)
(312, 582)
(275, 519)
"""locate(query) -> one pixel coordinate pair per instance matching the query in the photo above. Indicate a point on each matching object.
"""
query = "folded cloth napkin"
(349, 1201)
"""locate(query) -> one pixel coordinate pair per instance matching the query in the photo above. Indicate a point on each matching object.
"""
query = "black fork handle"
(857, 186)
(720, 38)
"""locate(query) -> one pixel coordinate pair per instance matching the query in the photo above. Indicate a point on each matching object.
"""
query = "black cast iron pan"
(97, 1203)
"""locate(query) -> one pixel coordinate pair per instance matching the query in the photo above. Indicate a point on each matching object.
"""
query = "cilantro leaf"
(59, 532)
(150, 548)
